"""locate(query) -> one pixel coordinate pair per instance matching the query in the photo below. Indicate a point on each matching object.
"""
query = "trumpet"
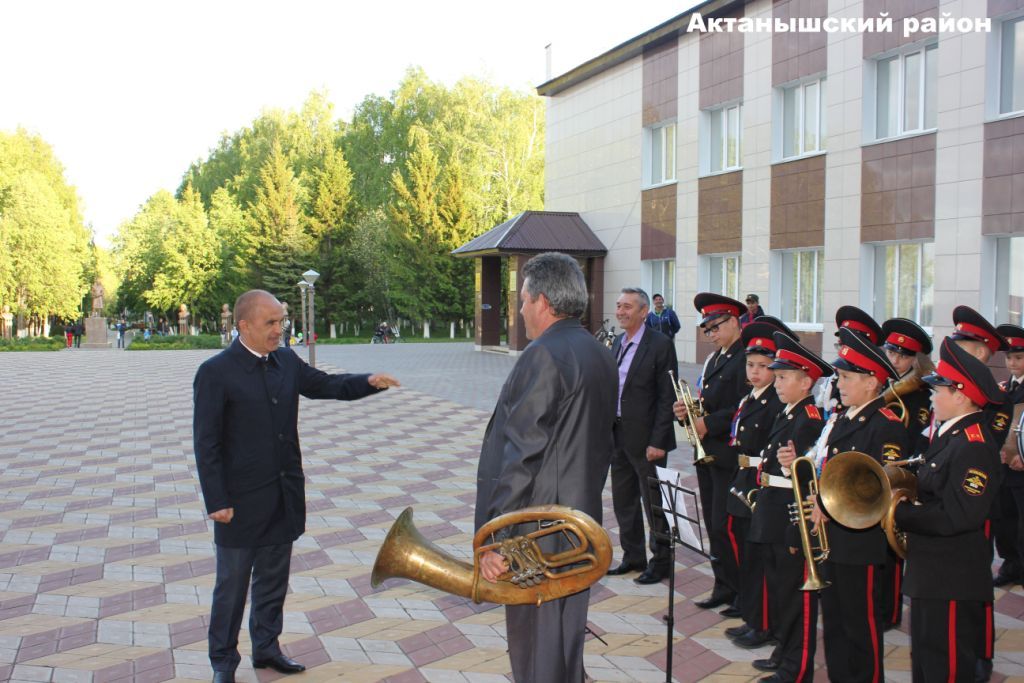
(694, 409)
(800, 511)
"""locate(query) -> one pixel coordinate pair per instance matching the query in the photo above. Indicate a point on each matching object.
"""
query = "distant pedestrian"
(662, 318)
(79, 330)
(754, 309)
(121, 328)
(69, 333)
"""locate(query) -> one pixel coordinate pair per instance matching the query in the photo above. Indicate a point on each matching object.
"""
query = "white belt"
(750, 461)
(775, 481)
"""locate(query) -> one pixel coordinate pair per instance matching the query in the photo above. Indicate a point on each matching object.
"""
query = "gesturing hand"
(382, 380)
(223, 516)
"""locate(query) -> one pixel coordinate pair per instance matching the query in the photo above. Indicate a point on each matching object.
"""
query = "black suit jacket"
(647, 394)
(549, 440)
(878, 432)
(246, 440)
(802, 426)
(755, 423)
(948, 556)
(1012, 478)
(723, 384)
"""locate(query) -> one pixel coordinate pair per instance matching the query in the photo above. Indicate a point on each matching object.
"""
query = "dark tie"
(622, 356)
(1013, 386)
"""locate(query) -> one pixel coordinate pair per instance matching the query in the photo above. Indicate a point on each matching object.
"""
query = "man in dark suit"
(549, 441)
(644, 434)
(250, 468)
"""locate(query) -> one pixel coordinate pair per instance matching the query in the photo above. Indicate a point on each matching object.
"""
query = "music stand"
(676, 496)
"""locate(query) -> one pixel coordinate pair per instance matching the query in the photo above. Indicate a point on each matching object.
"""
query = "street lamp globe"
(310, 276)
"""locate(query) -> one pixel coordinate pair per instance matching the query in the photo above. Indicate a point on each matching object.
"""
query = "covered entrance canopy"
(518, 239)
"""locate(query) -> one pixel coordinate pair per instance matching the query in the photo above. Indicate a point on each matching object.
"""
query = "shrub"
(175, 342)
(33, 344)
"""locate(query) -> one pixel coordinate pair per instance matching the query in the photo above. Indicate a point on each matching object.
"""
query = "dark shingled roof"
(536, 232)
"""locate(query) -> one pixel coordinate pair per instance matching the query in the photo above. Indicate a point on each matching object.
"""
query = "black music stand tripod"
(674, 495)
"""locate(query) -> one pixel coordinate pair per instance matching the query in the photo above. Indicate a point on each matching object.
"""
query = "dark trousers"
(753, 581)
(630, 475)
(852, 617)
(794, 612)
(545, 643)
(269, 567)
(891, 578)
(943, 634)
(714, 483)
(1007, 529)
(120, 341)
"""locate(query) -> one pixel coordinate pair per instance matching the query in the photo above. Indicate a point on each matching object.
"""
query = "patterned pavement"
(106, 561)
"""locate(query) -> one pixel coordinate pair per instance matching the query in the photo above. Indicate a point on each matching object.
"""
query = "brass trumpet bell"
(854, 490)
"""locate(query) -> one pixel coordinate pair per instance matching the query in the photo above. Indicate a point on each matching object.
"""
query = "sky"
(130, 92)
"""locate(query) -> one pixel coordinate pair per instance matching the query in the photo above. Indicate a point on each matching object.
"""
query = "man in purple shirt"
(643, 435)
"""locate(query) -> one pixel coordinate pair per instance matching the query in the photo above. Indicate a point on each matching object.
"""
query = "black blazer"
(723, 384)
(549, 440)
(755, 423)
(878, 432)
(802, 426)
(948, 556)
(647, 394)
(246, 440)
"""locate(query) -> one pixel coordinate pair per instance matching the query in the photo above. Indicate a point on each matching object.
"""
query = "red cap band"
(979, 334)
(762, 343)
(787, 356)
(963, 383)
(860, 327)
(905, 342)
(862, 361)
(720, 308)
(1015, 342)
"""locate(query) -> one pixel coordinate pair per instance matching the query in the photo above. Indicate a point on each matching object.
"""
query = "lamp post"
(311, 276)
(303, 286)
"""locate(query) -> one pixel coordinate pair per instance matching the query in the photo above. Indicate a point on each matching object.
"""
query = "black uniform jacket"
(246, 440)
(878, 432)
(948, 556)
(1012, 478)
(755, 422)
(647, 394)
(549, 440)
(919, 415)
(802, 425)
(723, 384)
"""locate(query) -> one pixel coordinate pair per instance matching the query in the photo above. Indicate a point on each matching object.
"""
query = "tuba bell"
(534, 576)
(855, 491)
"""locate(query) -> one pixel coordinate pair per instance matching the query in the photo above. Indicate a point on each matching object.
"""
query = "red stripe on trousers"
(732, 540)
(988, 631)
(896, 587)
(805, 631)
(764, 603)
(952, 642)
(872, 628)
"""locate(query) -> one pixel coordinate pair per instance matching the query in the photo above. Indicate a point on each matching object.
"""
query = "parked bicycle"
(605, 335)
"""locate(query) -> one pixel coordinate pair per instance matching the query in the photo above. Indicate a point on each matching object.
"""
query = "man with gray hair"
(549, 442)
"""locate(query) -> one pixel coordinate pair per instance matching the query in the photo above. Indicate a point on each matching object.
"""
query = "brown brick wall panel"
(1003, 187)
(798, 204)
(898, 190)
(720, 213)
(797, 55)
(898, 10)
(658, 223)
(721, 66)
(661, 83)
(997, 8)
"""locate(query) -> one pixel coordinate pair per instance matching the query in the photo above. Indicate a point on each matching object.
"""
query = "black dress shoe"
(713, 601)
(766, 664)
(752, 640)
(1001, 580)
(651, 575)
(279, 663)
(223, 677)
(774, 678)
(731, 612)
(737, 631)
(982, 670)
(625, 568)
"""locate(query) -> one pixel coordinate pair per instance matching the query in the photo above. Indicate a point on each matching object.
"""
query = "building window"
(905, 93)
(802, 285)
(1010, 281)
(1011, 67)
(904, 281)
(725, 139)
(724, 275)
(660, 154)
(659, 277)
(803, 126)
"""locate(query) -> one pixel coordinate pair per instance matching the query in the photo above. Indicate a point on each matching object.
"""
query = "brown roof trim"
(633, 47)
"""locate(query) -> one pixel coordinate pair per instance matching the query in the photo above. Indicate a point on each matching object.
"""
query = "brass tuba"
(855, 490)
(904, 487)
(694, 409)
(533, 577)
(799, 512)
